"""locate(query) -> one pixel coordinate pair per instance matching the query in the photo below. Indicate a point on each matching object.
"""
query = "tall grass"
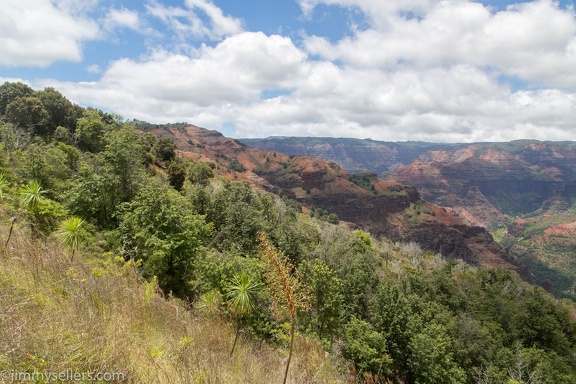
(100, 316)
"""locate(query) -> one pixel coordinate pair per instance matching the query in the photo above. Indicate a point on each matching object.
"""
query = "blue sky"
(452, 70)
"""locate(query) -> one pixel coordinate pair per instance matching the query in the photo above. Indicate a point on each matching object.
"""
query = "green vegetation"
(545, 241)
(324, 215)
(236, 166)
(169, 276)
(363, 181)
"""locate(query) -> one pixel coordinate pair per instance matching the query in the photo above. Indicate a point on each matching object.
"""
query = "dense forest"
(108, 201)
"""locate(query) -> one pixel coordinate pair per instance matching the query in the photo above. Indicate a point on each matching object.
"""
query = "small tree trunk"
(235, 338)
(12, 221)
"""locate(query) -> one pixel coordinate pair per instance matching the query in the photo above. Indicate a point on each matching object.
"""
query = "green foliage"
(431, 358)
(124, 158)
(200, 173)
(324, 215)
(11, 91)
(31, 195)
(236, 166)
(93, 195)
(241, 293)
(365, 347)
(158, 226)
(176, 175)
(108, 179)
(59, 109)
(165, 149)
(239, 212)
(43, 213)
(30, 114)
(13, 138)
(90, 131)
(363, 181)
(4, 184)
(326, 298)
(71, 233)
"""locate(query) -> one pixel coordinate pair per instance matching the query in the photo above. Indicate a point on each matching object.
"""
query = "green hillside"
(545, 240)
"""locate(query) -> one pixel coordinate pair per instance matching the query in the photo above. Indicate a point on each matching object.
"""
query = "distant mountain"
(354, 155)
(523, 191)
(486, 184)
(382, 207)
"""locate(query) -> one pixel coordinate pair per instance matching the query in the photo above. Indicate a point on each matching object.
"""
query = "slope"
(383, 208)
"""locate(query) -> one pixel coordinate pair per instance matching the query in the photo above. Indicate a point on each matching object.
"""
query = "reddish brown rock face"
(383, 207)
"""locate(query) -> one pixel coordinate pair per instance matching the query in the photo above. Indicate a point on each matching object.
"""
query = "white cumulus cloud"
(188, 22)
(39, 33)
(452, 70)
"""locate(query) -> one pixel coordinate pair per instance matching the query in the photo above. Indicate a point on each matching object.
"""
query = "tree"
(93, 195)
(200, 173)
(13, 138)
(365, 347)
(431, 359)
(237, 166)
(11, 91)
(74, 114)
(108, 179)
(239, 212)
(326, 298)
(148, 141)
(57, 106)
(159, 227)
(165, 149)
(124, 159)
(30, 114)
(241, 292)
(176, 175)
(90, 131)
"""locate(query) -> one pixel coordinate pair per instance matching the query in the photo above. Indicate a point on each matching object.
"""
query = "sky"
(393, 70)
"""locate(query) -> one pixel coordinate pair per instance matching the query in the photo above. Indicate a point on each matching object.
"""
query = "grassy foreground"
(81, 316)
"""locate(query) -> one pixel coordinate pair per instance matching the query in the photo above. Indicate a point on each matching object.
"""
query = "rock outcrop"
(383, 207)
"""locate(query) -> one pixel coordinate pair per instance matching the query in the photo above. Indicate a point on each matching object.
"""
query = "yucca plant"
(31, 195)
(286, 289)
(241, 293)
(71, 233)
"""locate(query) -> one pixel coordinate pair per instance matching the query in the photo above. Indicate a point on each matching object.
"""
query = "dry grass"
(100, 316)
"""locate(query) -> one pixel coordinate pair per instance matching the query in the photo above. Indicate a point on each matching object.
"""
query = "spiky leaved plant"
(241, 293)
(70, 234)
(285, 287)
(31, 195)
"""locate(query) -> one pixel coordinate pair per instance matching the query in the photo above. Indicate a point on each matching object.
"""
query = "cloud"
(199, 19)
(378, 11)
(94, 68)
(42, 36)
(122, 18)
(421, 70)
(166, 85)
(220, 87)
(534, 41)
